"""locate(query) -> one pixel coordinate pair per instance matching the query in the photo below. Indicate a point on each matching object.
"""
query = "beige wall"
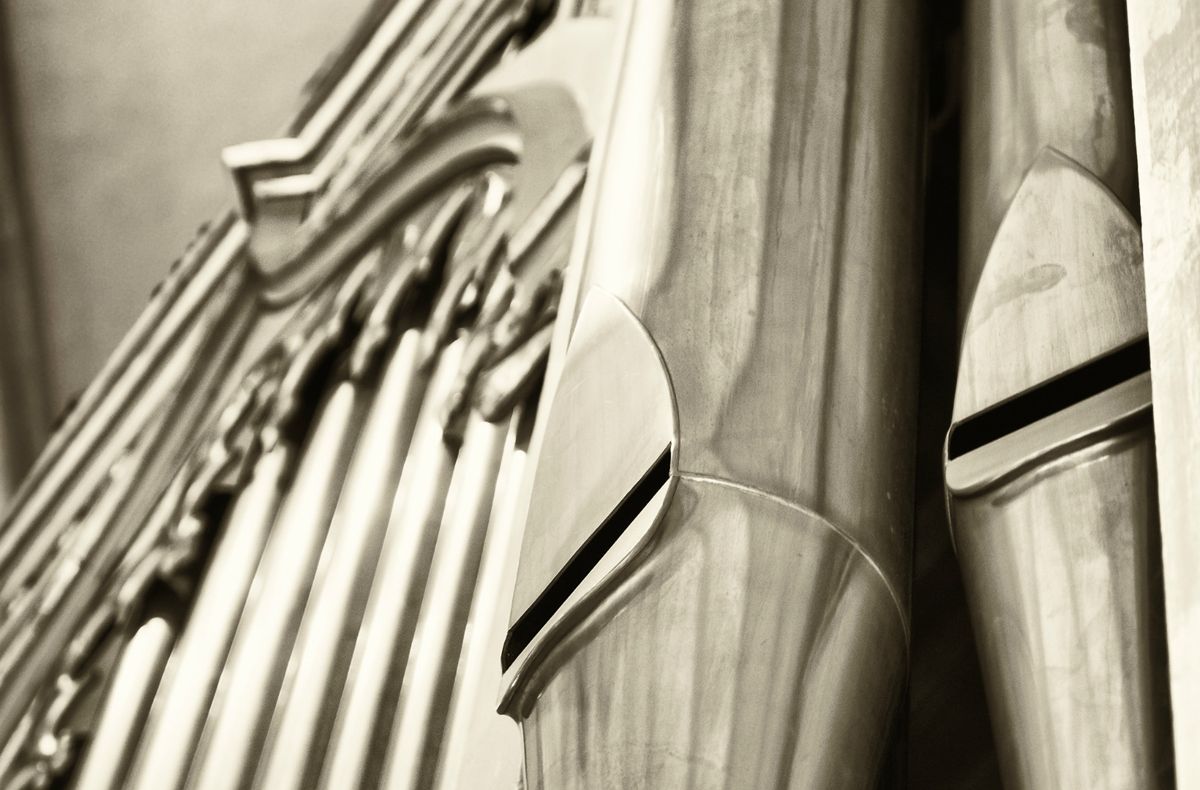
(123, 107)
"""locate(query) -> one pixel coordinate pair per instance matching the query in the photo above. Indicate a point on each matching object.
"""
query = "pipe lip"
(614, 420)
(1062, 286)
(1092, 420)
(525, 677)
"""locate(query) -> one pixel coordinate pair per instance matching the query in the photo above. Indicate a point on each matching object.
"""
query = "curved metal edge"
(518, 693)
(618, 561)
(816, 517)
(1012, 241)
(1113, 412)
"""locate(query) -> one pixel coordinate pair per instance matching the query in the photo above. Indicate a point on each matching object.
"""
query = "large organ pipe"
(1050, 461)
(713, 583)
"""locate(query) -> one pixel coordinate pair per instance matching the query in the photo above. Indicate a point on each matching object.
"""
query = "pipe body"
(749, 302)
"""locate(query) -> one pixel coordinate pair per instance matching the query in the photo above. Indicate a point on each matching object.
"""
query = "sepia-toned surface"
(1061, 286)
(749, 223)
(447, 216)
(1165, 47)
(754, 647)
(1039, 73)
(1068, 617)
(122, 112)
(1055, 514)
(25, 409)
(776, 274)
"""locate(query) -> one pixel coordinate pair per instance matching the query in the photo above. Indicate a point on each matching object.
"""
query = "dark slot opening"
(1049, 397)
(585, 559)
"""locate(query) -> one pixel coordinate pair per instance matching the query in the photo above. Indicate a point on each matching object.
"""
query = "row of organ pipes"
(547, 414)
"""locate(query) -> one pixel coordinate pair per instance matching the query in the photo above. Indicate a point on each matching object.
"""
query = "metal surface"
(481, 748)
(614, 374)
(185, 691)
(80, 572)
(1048, 440)
(1064, 271)
(126, 706)
(1065, 606)
(236, 723)
(421, 715)
(1165, 46)
(1057, 538)
(1039, 73)
(334, 607)
(479, 295)
(740, 315)
(394, 600)
(755, 647)
(1054, 512)
(734, 218)
(88, 439)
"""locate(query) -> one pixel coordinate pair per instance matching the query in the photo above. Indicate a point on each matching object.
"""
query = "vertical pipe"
(126, 705)
(361, 728)
(755, 225)
(185, 692)
(1050, 465)
(253, 672)
(1039, 73)
(317, 669)
(418, 726)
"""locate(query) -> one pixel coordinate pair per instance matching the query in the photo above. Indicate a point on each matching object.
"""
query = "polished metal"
(187, 685)
(1166, 91)
(332, 614)
(468, 303)
(1054, 513)
(1037, 74)
(234, 733)
(479, 747)
(561, 358)
(126, 705)
(420, 718)
(760, 637)
(80, 568)
(45, 741)
(616, 377)
(396, 589)
(1064, 609)
(186, 693)
(97, 428)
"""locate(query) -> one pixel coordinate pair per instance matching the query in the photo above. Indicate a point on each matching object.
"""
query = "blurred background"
(113, 114)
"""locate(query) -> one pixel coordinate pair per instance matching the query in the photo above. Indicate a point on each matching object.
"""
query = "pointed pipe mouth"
(1050, 397)
(573, 574)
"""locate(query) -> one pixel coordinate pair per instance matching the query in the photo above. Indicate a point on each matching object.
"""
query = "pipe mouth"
(1048, 398)
(605, 472)
(764, 530)
(536, 617)
(1054, 423)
